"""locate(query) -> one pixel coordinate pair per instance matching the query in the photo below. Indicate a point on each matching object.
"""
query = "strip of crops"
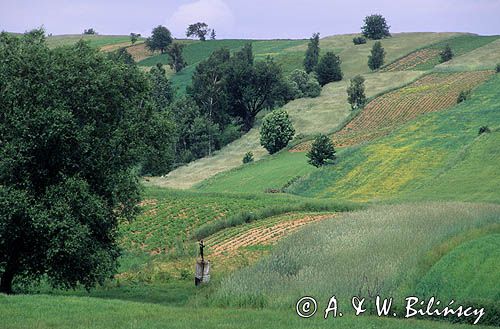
(434, 92)
(411, 61)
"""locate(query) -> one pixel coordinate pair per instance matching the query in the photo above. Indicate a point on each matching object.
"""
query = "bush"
(446, 54)
(356, 92)
(375, 27)
(498, 68)
(328, 69)
(359, 40)
(463, 96)
(322, 151)
(484, 130)
(276, 131)
(301, 84)
(248, 157)
(376, 59)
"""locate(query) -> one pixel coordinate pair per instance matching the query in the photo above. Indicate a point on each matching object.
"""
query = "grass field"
(483, 58)
(451, 276)
(309, 116)
(375, 251)
(97, 41)
(415, 156)
(43, 312)
(428, 57)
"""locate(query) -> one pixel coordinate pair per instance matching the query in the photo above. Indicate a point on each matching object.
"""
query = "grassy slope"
(452, 277)
(309, 116)
(20, 312)
(413, 161)
(486, 57)
(380, 249)
(97, 41)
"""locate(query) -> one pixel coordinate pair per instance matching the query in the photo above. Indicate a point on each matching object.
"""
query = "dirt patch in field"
(262, 235)
(139, 52)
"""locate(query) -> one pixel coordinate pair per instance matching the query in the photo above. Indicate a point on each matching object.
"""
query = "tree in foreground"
(199, 30)
(328, 69)
(276, 131)
(322, 151)
(375, 27)
(376, 59)
(177, 62)
(356, 92)
(160, 39)
(446, 54)
(312, 53)
(71, 135)
(134, 37)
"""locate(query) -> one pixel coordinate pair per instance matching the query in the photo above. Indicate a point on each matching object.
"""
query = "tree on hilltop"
(160, 39)
(312, 54)
(199, 30)
(375, 27)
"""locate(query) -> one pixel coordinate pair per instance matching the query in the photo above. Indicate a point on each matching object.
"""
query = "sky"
(250, 19)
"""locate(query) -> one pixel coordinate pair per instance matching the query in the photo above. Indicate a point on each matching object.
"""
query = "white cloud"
(215, 13)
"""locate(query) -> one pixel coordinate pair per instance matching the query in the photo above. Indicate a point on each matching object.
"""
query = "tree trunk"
(248, 122)
(6, 281)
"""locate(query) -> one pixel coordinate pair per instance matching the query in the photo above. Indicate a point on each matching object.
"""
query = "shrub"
(375, 27)
(484, 130)
(276, 131)
(359, 40)
(446, 54)
(248, 157)
(356, 92)
(376, 59)
(322, 151)
(498, 68)
(463, 96)
(328, 69)
(302, 84)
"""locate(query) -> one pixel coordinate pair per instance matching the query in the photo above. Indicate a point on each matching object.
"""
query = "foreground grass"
(377, 251)
(20, 312)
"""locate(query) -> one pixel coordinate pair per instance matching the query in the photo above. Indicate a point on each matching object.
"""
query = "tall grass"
(378, 250)
(250, 216)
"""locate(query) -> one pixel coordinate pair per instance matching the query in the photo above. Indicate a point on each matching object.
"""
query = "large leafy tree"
(312, 54)
(276, 131)
(328, 69)
(375, 27)
(356, 92)
(199, 30)
(71, 132)
(322, 151)
(253, 86)
(160, 39)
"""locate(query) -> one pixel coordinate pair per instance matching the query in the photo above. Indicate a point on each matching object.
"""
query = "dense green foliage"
(375, 27)
(248, 157)
(359, 40)
(160, 39)
(446, 54)
(72, 124)
(328, 69)
(376, 58)
(177, 61)
(199, 30)
(276, 131)
(356, 92)
(322, 151)
(303, 84)
(312, 54)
